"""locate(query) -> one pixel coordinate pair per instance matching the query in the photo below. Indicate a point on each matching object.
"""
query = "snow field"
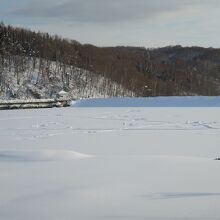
(110, 163)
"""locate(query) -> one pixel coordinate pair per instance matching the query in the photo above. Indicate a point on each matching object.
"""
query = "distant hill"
(39, 65)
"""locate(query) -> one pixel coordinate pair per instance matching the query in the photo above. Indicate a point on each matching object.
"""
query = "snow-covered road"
(110, 163)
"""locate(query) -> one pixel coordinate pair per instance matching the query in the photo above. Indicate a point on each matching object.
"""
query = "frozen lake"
(110, 163)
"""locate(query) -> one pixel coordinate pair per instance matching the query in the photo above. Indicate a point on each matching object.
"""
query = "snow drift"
(40, 155)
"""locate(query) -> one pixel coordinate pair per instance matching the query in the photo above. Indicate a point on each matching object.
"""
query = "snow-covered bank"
(175, 101)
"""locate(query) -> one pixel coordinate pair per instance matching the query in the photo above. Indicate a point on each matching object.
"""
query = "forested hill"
(39, 62)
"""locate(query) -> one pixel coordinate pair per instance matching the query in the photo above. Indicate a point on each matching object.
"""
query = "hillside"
(40, 78)
(34, 64)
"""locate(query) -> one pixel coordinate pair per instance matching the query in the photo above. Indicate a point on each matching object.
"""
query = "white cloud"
(125, 22)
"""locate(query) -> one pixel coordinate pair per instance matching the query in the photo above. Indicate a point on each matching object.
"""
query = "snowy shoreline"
(33, 103)
(172, 101)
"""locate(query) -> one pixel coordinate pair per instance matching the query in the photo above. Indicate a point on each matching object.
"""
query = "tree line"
(168, 71)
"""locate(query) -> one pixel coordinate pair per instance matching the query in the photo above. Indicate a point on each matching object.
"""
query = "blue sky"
(148, 23)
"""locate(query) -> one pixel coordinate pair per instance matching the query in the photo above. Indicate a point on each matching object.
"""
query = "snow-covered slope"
(38, 78)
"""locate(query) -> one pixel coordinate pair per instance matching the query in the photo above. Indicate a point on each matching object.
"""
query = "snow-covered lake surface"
(110, 163)
(174, 101)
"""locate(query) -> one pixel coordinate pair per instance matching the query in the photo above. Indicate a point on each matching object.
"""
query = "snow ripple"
(179, 195)
(40, 155)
